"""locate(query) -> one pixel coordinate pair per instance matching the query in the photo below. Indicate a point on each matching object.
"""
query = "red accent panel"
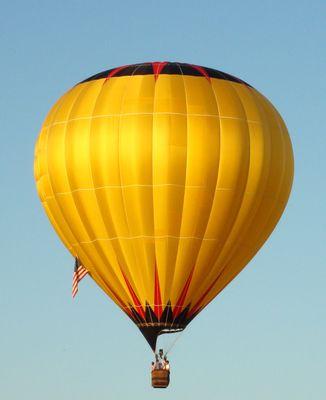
(198, 305)
(202, 71)
(135, 299)
(157, 296)
(123, 305)
(157, 68)
(115, 71)
(178, 307)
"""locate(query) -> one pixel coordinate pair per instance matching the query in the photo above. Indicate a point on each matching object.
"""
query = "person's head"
(161, 352)
(152, 362)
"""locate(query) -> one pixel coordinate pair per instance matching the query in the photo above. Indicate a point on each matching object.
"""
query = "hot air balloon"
(164, 179)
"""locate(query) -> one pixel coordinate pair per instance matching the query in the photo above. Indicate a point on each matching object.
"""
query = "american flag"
(79, 273)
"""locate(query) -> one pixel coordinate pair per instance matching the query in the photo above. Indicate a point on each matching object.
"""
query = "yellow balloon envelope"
(164, 180)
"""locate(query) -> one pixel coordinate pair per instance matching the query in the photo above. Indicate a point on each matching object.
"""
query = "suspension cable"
(174, 342)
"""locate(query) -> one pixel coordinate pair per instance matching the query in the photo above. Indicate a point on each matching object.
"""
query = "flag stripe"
(79, 273)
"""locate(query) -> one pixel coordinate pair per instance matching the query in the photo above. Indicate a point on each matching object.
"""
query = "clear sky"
(264, 337)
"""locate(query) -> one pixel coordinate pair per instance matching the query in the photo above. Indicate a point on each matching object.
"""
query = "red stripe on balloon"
(120, 301)
(181, 300)
(115, 71)
(202, 71)
(157, 295)
(134, 297)
(157, 68)
(198, 305)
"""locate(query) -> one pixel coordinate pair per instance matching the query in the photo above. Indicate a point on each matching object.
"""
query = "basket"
(160, 378)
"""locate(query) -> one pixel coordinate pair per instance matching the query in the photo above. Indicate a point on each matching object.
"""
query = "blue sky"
(264, 337)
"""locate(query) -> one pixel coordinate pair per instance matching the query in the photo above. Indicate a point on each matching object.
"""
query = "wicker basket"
(160, 378)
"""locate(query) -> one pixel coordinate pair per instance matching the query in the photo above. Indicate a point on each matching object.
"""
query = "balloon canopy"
(164, 179)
